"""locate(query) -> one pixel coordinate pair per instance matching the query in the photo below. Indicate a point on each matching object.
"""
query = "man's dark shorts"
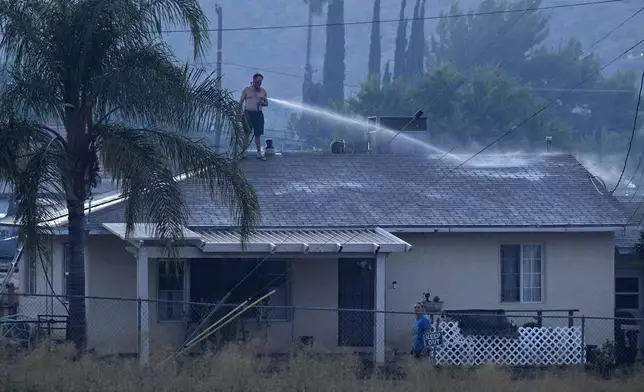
(256, 121)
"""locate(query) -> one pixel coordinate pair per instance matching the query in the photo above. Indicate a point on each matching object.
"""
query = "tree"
(415, 56)
(103, 70)
(315, 8)
(598, 118)
(386, 76)
(334, 67)
(492, 103)
(487, 39)
(401, 42)
(375, 43)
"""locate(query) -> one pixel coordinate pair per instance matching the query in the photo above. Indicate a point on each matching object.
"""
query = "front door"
(356, 284)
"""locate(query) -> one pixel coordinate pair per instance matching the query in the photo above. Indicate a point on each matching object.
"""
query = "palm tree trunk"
(78, 144)
(77, 328)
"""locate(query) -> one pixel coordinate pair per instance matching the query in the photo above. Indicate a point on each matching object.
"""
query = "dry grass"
(236, 370)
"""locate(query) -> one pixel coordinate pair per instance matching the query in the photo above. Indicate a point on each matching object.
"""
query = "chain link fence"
(120, 326)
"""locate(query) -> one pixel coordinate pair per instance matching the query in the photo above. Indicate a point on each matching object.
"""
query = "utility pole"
(219, 38)
(219, 53)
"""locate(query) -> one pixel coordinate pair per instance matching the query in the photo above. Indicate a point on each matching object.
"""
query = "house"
(358, 231)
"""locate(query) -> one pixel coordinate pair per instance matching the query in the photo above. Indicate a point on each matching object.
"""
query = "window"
(521, 273)
(627, 293)
(171, 290)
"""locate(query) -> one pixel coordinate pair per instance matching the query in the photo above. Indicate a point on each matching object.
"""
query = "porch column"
(143, 314)
(379, 319)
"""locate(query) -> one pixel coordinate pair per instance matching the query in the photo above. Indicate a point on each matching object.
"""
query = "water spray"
(488, 161)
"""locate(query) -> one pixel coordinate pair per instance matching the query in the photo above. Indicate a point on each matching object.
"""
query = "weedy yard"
(235, 369)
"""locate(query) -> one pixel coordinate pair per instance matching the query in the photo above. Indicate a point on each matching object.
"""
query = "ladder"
(12, 269)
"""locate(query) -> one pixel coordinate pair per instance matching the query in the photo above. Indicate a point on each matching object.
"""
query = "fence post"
(571, 321)
(583, 339)
(138, 328)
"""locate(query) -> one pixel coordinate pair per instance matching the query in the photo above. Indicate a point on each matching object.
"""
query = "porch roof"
(304, 241)
(143, 232)
(208, 240)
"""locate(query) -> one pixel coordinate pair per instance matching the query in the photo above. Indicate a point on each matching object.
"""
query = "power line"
(509, 27)
(542, 109)
(639, 100)
(630, 142)
(449, 85)
(292, 75)
(434, 17)
(403, 128)
(495, 141)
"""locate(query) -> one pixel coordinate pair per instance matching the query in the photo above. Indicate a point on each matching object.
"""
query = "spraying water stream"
(503, 160)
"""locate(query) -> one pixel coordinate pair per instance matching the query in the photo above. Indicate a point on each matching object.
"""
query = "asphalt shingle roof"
(325, 190)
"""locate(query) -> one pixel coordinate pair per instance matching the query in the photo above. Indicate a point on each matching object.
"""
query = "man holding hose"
(253, 99)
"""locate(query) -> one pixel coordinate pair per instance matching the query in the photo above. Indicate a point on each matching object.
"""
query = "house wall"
(464, 270)
(112, 323)
(312, 284)
(48, 275)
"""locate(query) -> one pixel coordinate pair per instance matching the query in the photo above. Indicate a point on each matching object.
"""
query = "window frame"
(185, 281)
(638, 293)
(521, 272)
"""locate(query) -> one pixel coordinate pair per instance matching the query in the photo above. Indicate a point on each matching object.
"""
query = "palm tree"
(102, 69)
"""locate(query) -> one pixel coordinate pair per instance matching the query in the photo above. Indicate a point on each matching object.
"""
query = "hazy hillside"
(281, 51)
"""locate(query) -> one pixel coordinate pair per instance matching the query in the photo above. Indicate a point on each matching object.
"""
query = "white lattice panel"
(533, 347)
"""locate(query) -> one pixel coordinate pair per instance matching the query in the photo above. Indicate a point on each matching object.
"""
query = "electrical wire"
(494, 142)
(597, 42)
(630, 142)
(526, 10)
(639, 205)
(301, 77)
(512, 129)
(449, 85)
(434, 17)
(510, 27)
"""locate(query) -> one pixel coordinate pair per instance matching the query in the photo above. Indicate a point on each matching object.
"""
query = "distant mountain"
(279, 52)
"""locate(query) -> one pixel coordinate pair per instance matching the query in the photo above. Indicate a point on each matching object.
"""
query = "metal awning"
(143, 232)
(303, 241)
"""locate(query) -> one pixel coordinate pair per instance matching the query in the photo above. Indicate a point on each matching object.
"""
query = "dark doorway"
(356, 290)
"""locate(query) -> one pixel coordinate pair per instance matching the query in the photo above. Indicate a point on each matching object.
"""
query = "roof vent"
(548, 143)
(269, 149)
(398, 135)
(339, 147)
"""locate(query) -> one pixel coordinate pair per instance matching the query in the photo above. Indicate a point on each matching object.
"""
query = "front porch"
(333, 269)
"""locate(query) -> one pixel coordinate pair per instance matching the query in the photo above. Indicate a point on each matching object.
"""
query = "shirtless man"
(253, 99)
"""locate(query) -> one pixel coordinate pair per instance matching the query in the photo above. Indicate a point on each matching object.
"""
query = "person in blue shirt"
(421, 325)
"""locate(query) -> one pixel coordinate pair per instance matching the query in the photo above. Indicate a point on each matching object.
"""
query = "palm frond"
(34, 163)
(143, 161)
(146, 180)
(181, 13)
(207, 104)
(162, 94)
